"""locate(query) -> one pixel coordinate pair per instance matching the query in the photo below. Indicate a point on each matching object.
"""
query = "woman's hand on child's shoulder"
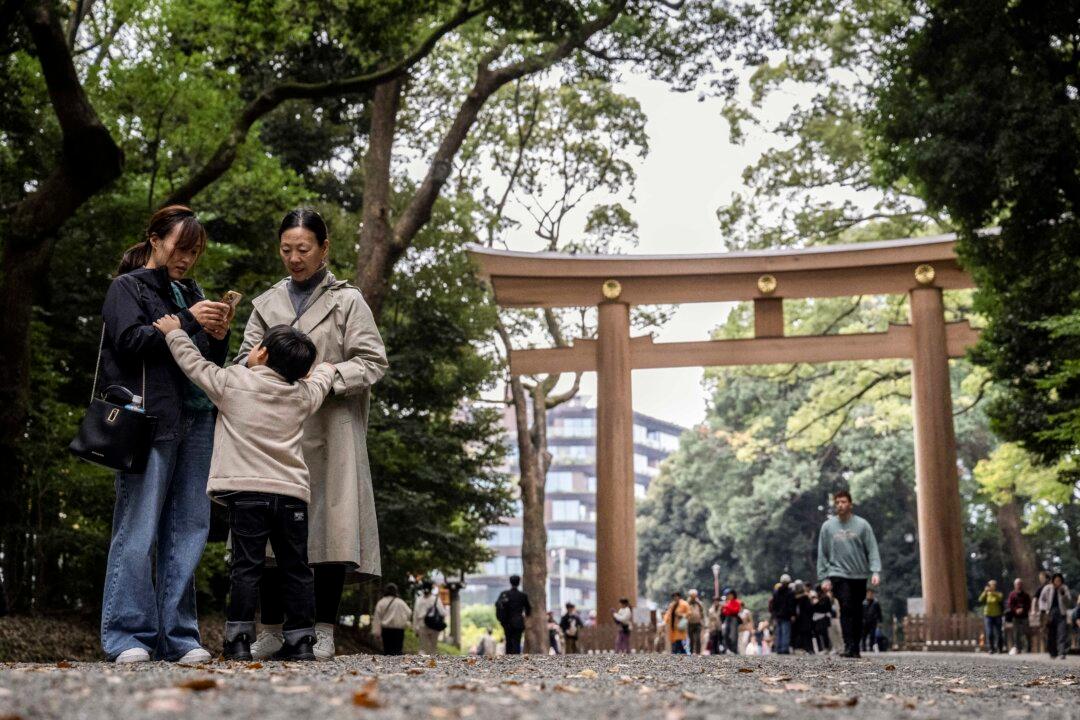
(167, 324)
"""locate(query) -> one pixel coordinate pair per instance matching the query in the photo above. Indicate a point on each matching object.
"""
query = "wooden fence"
(955, 633)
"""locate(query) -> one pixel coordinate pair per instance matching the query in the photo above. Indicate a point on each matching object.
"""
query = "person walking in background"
(802, 627)
(847, 555)
(695, 622)
(1017, 610)
(555, 643)
(746, 629)
(730, 612)
(486, 646)
(429, 618)
(675, 620)
(993, 602)
(570, 624)
(1037, 619)
(511, 609)
(1055, 602)
(389, 620)
(624, 619)
(715, 622)
(871, 620)
(783, 612)
(823, 615)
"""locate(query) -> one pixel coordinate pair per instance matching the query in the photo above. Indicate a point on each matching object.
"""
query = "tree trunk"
(21, 270)
(534, 531)
(376, 258)
(1011, 523)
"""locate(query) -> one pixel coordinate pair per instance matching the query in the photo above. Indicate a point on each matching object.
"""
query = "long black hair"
(192, 236)
(307, 218)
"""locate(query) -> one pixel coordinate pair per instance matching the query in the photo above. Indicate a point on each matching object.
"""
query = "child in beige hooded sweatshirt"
(258, 471)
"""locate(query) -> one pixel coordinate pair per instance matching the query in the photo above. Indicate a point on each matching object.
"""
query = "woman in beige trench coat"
(343, 533)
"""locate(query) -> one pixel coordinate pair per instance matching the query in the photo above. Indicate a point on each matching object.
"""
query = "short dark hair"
(570, 606)
(624, 601)
(515, 580)
(391, 589)
(289, 352)
(842, 493)
(1056, 576)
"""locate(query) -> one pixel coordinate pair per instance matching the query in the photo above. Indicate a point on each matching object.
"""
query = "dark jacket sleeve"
(126, 323)
(219, 349)
(528, 607)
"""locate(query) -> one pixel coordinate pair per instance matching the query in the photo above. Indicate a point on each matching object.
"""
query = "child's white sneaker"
(268, 642)
(195, 657)
(324, 641)
(133, 655)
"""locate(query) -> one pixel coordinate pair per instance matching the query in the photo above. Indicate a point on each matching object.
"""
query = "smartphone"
(232, 299)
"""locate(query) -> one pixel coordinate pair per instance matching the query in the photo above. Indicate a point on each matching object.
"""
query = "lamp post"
(716, 581)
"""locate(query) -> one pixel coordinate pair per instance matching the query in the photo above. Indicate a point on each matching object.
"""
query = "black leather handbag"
(112, 435)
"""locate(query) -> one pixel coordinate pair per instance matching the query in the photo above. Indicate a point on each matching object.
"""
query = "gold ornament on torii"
(612, 289)
(924, 274)
(766, 284)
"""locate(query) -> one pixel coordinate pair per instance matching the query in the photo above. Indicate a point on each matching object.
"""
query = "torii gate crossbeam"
(920, 267)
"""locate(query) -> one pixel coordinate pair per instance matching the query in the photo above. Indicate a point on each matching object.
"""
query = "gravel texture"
(906, 685)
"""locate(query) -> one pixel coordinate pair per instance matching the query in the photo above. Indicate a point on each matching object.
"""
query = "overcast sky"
(690, 171)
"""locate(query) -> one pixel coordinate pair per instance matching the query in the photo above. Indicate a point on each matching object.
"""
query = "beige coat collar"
(276, 307)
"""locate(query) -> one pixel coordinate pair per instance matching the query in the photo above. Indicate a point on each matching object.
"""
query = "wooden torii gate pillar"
(920, 267)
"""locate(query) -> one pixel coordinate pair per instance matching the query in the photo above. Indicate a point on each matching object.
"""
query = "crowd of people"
(1049, 613)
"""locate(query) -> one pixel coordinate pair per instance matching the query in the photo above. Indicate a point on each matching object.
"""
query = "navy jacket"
(783, 602)
(134, 301)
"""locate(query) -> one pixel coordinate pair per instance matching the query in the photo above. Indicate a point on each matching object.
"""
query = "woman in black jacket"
(165, 507)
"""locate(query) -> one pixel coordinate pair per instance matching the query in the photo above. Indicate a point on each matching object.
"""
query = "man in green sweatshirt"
(847, 556)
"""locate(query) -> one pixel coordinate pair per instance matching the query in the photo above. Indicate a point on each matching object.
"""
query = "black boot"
(300, 650)
(239, 648)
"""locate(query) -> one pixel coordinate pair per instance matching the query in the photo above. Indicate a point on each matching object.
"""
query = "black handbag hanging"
(112, 435)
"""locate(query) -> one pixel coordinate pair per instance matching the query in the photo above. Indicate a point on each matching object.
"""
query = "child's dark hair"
(289, 352)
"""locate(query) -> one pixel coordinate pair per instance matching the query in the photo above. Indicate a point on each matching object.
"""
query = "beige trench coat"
(342, 526)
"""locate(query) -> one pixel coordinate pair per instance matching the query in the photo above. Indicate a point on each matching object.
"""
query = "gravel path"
(906, 685)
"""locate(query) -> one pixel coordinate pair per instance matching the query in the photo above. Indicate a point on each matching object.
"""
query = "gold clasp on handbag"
(112, 415)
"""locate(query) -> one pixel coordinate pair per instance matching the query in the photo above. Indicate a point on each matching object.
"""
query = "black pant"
(513, 640)
(850, 593)
(329, 584)
(255, 518)
(869, 636)
(392, 640)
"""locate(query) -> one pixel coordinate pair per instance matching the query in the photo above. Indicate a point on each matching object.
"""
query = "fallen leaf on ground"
(368, 696)
(470, 661)
(960, 691)
(693, 697)
(797, 687)
(566, 689)
(293, 689)
(768, 710)
(829, 701)
(776, 679)
(890, 667)
(645, 690)
(587, 673)
(614, 668)
(198, 684)
(415, 671)
(511, 682)
(431, 662)
(64, 665)
(745, 670)
(255, 666)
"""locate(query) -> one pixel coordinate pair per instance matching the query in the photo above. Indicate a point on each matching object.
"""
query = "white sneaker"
(133, 655)
(267, 643)
(195, 657)
(324, 641)
(1013, 651)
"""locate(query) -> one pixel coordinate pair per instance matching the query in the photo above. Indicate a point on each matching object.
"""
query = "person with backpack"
(511, 609)
(570, 624)
(429, 618)
(675, 620)
(695, 622)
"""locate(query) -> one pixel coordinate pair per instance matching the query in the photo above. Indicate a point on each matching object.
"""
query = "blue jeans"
(995, 633)
(783, 637)
(165, 508)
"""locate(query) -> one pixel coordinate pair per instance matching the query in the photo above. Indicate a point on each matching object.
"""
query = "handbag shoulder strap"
(97, 365)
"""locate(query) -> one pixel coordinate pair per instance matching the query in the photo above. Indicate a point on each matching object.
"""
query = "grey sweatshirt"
(847, 550)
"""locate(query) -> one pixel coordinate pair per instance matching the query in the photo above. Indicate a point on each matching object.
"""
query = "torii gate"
(920, 267)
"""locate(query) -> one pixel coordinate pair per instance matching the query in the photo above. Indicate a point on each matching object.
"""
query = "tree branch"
(271, 98)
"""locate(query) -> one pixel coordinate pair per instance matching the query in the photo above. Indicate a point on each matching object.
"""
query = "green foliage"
(991, 137)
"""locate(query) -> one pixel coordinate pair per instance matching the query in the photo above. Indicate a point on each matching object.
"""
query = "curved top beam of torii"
(546, 279)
